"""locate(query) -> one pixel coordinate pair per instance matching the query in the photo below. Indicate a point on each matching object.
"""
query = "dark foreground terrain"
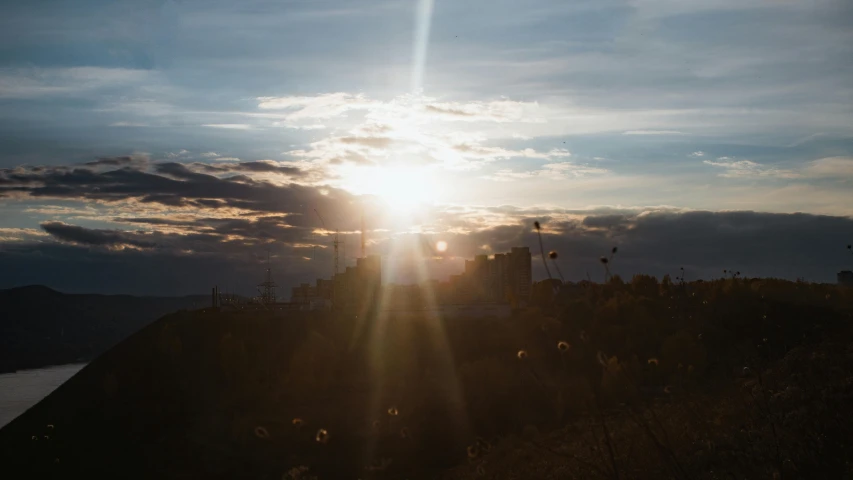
(727, 379)
(40, 326)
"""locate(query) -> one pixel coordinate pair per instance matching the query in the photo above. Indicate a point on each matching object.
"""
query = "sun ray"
(423, 20)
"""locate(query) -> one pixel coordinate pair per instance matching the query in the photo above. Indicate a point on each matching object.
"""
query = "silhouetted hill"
(652, 380)
(40, 326)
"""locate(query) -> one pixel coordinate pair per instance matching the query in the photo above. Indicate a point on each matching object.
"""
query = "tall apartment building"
(520, 273)
(359, 287)
(505, 278)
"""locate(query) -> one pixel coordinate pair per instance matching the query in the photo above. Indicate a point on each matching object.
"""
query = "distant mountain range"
(40, 326)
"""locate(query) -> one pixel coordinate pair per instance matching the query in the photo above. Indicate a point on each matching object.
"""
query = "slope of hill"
(735, 378)
(40, 326)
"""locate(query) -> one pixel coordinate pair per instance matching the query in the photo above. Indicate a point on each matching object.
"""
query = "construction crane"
(336, 243)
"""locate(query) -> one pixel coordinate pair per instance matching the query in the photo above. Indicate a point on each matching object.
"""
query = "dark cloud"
(232, 221)
(704, 243)
(176, 185)
(86, 236)
(252, 167)
(605, 221)
(107, 161)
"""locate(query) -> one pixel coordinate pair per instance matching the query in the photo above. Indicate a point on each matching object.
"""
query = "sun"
(403, 188)
(441, 246)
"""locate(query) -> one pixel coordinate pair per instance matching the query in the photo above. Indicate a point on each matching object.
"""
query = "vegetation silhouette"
(734, 377)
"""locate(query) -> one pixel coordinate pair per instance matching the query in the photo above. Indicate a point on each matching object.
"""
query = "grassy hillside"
(40, 326)
(728, 379)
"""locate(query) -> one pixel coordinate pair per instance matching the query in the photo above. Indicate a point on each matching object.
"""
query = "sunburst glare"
(403, 189)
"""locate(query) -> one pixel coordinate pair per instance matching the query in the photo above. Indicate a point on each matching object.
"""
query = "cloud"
(748, 169)
(307, 127)
(830, 167)
(172, 184)
(261, 166)
(838, 168)
(551, 171)
(125, 160)
(229, 126)
(320, 106)
(652, 132)
(86, 236)
(494, 111)
(697, 154)
(660, 241)
(38, 82)
(19, 235)
(128, 124)
(480, 152)
(372, 142)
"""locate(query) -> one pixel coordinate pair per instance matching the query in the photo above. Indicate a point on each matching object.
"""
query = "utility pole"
(268, 292)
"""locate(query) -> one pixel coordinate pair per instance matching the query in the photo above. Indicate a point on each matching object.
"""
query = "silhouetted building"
(303, 294)
(505, 278)
(520, 274)
(358, 288)
(845, 278)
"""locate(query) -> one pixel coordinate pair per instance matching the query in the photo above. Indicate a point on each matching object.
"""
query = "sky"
(161, 147)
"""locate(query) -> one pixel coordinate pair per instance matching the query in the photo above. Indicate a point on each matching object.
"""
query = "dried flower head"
(552, 255)
(602, 358)
(322, 436)
(298, 422)
(262, 433)
(481, 470)
(522, 354)
(379, 465)
(615, 249)
(393, 411)
(667, 389)
(473, 451)
(484, 445)
(603, 260)
(536, 224)
(563, 346)
(50, 426)
(653, 361)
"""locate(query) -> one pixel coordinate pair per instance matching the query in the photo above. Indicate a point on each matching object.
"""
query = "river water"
(21, 390)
